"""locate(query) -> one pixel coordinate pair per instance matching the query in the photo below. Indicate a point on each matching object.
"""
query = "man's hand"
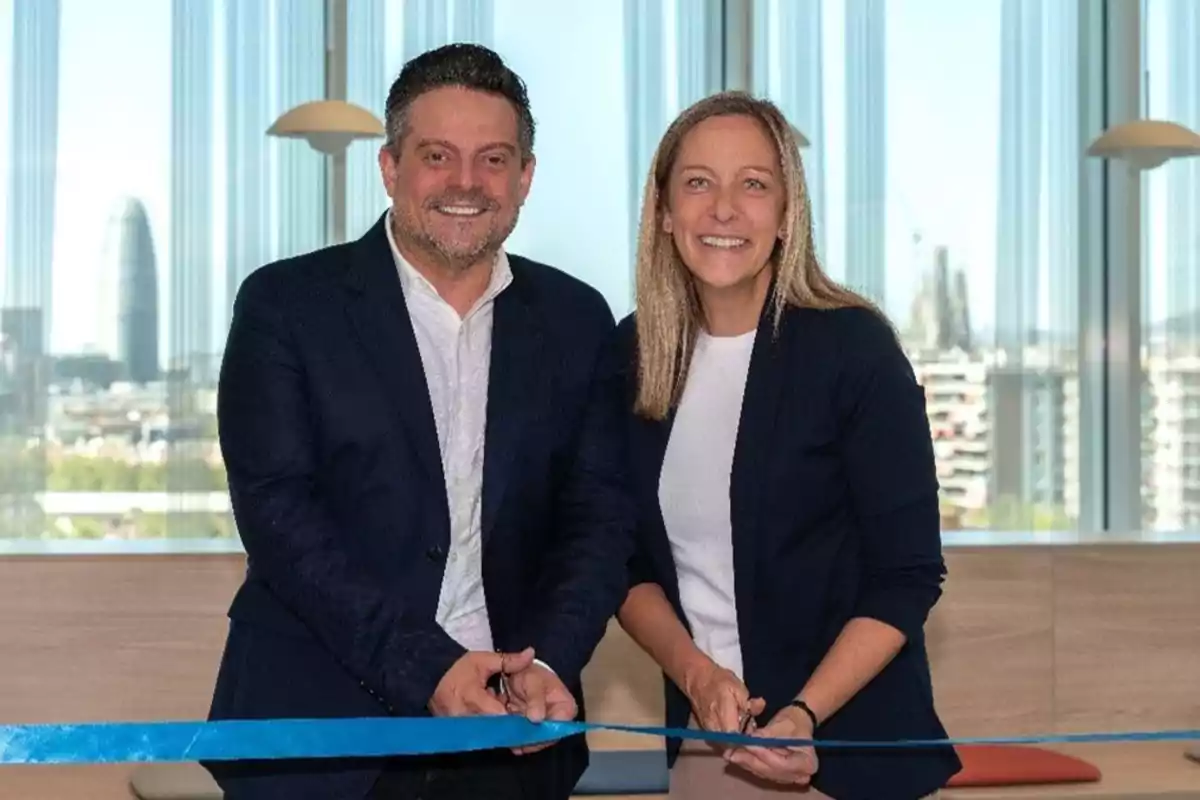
(793, 766)
(463, 690)
(538, 695)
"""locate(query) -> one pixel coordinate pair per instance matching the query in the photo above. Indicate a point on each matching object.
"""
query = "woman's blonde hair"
(669, 316)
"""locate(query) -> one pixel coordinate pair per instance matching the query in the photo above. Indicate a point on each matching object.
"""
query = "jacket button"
(435, 553)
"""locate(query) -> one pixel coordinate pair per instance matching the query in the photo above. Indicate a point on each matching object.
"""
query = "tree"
(76, 473)
(1010, 513)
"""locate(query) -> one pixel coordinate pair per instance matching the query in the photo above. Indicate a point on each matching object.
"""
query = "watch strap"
(803, 706)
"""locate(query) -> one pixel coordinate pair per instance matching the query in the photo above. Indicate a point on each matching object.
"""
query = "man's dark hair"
(470, 66)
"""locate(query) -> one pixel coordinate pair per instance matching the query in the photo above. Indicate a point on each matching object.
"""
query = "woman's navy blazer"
(834, 505)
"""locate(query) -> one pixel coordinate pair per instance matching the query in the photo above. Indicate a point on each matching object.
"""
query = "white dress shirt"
(693, 492)
(456, 354)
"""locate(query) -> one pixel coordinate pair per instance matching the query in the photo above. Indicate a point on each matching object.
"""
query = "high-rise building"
(956, 401)
(940, 319)
(32, 157)
(1171, 460)
(132, 263)
(866, 161)
(1029, 415)
(249, 235)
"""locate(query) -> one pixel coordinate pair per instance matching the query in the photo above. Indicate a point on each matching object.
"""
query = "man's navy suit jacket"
(336, 481)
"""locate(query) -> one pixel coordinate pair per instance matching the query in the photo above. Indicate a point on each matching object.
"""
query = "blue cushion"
(625, 772)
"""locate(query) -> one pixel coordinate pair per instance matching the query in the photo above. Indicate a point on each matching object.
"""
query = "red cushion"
(1019, 765)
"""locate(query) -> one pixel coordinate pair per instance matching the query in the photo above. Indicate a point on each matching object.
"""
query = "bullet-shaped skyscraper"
(133, 264)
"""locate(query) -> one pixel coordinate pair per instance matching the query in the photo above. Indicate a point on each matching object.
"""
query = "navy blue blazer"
(335, 477)
(834, 506)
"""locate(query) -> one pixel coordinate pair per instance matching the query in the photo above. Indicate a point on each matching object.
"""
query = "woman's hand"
(787, 765)
(720, 701)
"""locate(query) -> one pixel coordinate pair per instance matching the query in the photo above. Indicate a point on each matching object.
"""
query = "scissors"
(502, 685)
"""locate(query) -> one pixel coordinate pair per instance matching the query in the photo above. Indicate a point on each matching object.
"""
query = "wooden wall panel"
(1127, 638)
(96, 638)
(1024, 640)
(990, 641)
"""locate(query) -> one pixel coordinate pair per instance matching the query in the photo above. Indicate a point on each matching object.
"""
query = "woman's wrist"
(801, 722)
(694, 668)
(811, 719)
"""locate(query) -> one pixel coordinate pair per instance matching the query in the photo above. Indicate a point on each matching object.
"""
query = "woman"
(782, 461)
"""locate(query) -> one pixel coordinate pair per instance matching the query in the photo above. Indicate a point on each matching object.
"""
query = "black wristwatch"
(803, 706)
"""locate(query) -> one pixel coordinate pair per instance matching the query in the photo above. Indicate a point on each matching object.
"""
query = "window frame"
(1110, 370)
(1116, 334)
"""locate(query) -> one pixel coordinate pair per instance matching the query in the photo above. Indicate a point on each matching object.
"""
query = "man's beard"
(458, 256)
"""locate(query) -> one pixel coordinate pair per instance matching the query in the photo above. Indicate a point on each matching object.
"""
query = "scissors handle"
(502, 681)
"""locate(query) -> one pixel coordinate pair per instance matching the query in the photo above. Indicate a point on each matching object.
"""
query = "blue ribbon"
(121, 742)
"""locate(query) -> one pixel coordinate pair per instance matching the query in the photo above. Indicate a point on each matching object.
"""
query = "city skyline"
(944, 165)
(235, 65)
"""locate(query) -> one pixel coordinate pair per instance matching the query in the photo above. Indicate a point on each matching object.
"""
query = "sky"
(942, 98)
(942, 74)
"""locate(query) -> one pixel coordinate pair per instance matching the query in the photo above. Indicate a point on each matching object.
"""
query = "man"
(423, 445)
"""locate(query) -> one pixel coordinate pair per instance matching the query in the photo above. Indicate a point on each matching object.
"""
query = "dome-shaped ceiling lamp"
(1146, 144)
(329, 126)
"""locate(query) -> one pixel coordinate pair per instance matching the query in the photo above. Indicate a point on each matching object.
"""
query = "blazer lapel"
(654, 441)
(380, 318)
(518, 390)
(751, 458)
(649, 452)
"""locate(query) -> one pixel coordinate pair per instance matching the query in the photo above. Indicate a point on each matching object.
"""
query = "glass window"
(944, 168)
(604, 80)
(139, 189)
(1171, 276)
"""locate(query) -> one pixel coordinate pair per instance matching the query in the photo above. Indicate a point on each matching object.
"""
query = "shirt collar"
(411, 280)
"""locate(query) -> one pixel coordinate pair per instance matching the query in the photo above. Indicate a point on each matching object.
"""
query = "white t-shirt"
(694, 492)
